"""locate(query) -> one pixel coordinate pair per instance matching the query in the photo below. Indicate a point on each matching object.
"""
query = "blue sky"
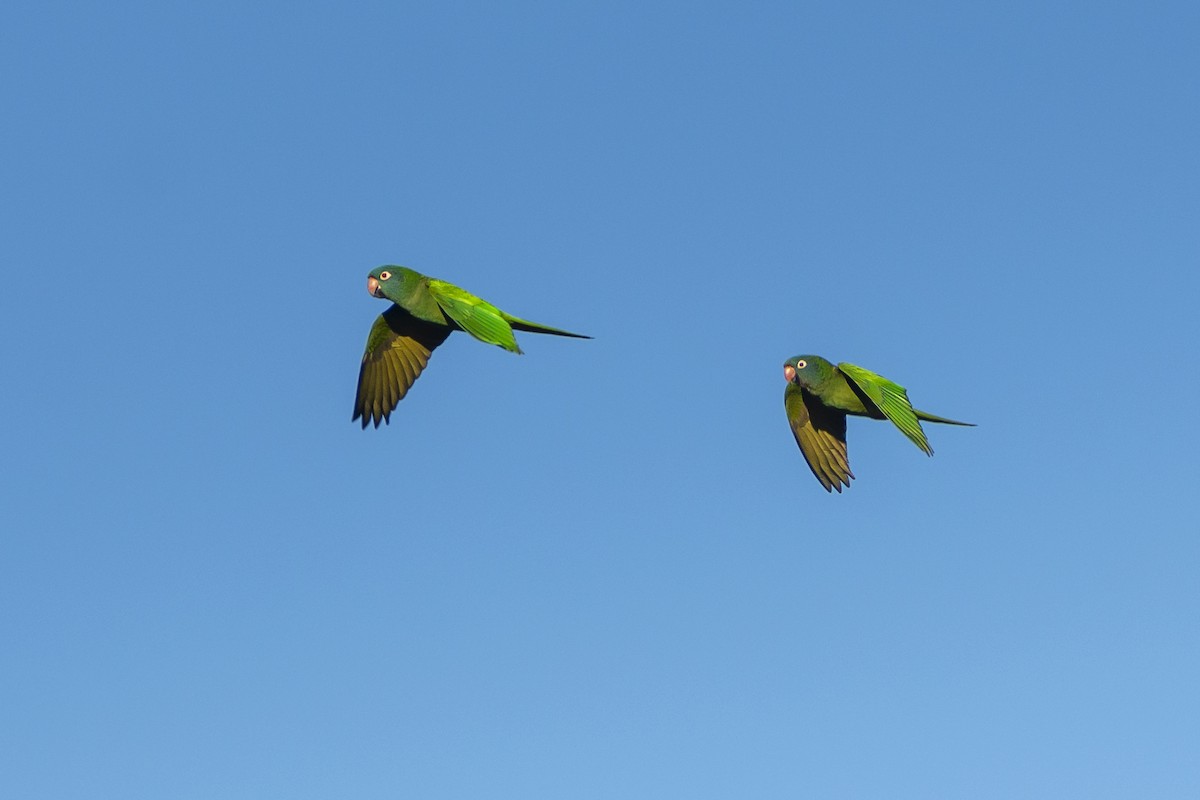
(601, 569)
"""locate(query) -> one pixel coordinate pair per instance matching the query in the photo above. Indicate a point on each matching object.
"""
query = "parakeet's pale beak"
(373, 288)
(789, 373)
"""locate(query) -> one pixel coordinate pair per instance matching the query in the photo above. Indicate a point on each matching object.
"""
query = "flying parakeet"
(817, 399)
(424, 312)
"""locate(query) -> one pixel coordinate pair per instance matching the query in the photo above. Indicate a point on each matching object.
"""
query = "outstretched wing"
(820, 432)
(891, 399)
(398, 349)
(477, 317)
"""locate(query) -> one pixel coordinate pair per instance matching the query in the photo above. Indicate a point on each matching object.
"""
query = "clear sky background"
(601, 569)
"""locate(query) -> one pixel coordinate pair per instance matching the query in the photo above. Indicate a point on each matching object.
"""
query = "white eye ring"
(383, 276)
(801, 364)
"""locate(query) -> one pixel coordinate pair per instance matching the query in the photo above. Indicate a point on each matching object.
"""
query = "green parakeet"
(817, 399)
(424, 312)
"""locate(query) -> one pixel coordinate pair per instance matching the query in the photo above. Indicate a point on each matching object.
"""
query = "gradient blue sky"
(601, 569)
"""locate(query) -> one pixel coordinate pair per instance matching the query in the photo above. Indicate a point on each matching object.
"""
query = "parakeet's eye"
(383, 276)
(801, 364)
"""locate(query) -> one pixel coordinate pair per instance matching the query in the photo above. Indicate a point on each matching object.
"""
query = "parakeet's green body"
(817, 399)
(424, 313)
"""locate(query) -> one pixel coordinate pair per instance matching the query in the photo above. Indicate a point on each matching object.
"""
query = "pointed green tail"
(935, 418)
(533, 327)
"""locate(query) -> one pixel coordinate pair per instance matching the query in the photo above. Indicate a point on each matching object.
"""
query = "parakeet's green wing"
(821, 434)
(890, 398)
(398, 349)
(477, 317)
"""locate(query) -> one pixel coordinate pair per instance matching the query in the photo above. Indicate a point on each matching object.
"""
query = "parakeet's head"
(807, 371)
(381, 279)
